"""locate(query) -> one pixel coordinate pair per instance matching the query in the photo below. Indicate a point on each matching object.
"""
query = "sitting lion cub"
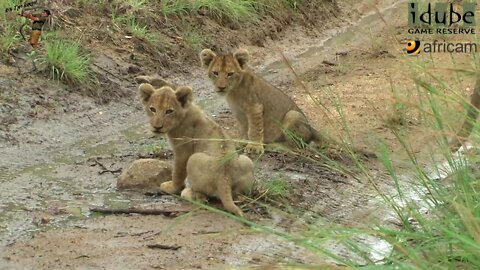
(264, 112)
(203, 153)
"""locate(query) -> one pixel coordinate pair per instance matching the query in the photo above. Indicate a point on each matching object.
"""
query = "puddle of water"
(134, 132)
(5, 175)
(376, 250)
(61, 190)
(271, 247)
(94, 146)
(41, 170)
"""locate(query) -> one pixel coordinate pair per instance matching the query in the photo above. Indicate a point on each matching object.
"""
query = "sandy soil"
(49, 177)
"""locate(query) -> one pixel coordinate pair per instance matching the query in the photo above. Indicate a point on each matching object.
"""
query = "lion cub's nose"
(157, 129)
(221, 88)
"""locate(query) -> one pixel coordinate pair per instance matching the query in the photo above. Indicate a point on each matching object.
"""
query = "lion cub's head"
(166, 108)
(224, 70)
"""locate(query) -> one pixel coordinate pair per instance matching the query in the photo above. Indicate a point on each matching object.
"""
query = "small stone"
(145, 175)
(11, 61)
(133, 69)
(45, 220)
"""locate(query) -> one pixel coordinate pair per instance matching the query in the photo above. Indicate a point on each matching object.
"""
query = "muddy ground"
(56, 148)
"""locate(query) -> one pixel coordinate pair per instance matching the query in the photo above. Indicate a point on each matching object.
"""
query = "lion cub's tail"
(324, 141)
(320, 139)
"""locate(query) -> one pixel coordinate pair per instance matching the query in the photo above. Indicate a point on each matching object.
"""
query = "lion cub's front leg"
(179, 175)
(255, 129)
(225, 195)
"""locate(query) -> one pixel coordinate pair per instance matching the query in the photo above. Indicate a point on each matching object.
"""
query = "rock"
(145, 175)
(133, 69)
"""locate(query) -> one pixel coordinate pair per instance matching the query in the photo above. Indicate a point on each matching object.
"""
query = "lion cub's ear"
(184, 95)
(156, 82)
(242, 57)
(146, 90)
(206, 56)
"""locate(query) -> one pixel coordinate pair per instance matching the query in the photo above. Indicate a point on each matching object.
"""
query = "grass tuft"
(238, 11)
(140, 31)
(157, 147)
(275, 188)
(137, 4)
(9, 23)
(235, 11)
(9, 37)
(179, 7)
(195, 40)
(66, 61)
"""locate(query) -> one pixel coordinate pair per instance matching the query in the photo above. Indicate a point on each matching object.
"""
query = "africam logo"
(414, 47)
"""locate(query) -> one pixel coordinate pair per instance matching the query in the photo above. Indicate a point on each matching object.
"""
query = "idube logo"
(441, 18)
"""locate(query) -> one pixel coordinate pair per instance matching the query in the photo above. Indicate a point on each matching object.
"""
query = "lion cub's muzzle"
(157, 130)
(221, 90)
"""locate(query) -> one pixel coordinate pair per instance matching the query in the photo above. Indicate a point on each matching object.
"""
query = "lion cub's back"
(210, 138)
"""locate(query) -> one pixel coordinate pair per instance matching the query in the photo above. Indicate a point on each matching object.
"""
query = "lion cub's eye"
(152, 109)
(169, 111)
(215, 73)
(229, 74)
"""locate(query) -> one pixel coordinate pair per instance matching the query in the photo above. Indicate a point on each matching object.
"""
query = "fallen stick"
(155, 192)
(141, 211)
(105, 169)
(110, 171)
(161, 246)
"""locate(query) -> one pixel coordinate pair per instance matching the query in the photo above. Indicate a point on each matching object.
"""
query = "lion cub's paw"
(236, 211)
(254, 148)
(170, 187)
(189, 194)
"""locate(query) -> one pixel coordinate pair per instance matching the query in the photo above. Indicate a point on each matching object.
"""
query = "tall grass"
(174, 7)
(233, 10)
(9, 37)
(229, 9)
(66, 62)
(437, 222)
(9, 24)
(440, 221)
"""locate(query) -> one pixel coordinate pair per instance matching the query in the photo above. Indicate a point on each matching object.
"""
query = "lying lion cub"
(203, 153)
(264, 112)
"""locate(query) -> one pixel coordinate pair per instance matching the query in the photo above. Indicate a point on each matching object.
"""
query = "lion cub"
(263, 111)
(203, 154)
